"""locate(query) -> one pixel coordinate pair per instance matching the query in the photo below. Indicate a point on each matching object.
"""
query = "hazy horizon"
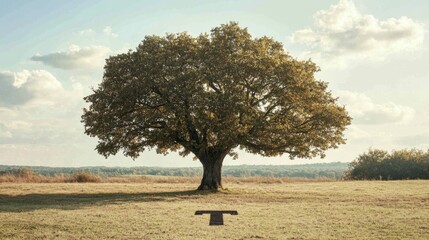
(226, 165)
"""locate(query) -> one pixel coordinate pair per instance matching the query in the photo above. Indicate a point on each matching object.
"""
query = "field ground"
(298, 210)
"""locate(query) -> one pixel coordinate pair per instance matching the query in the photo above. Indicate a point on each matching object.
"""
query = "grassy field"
(297, 210)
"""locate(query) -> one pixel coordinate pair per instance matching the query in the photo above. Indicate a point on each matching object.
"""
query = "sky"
(373, 54)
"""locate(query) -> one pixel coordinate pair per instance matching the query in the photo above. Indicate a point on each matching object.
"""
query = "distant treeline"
(322, 170)
(380, 165)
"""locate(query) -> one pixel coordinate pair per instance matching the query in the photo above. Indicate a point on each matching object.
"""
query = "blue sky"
(374, 55)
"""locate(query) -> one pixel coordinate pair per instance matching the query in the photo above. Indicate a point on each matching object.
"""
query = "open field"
(294, 210)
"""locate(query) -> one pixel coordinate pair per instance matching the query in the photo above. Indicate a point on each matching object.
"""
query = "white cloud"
(4, 132)
(33, 88)
(18, 124)
(87, 32)
(36, 109)
(10, 89)
(342, 32)
(364, 111)
(108, 31)
(355, 132)
(75, 57)
(414, 140)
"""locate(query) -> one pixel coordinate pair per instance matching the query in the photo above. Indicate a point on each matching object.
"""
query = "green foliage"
(211, 94)
(379, 164)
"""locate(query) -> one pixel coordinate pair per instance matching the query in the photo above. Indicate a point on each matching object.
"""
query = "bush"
(397, 165)
(84, 177)
(24, 173)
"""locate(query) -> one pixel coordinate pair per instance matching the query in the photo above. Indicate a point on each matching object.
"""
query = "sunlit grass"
(298, 210)
(89, 177)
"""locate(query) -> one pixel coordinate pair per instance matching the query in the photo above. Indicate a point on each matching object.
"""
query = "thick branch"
(192, 131)
(216, 89)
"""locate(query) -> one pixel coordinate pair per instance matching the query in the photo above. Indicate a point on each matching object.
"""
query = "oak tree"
(211, 95)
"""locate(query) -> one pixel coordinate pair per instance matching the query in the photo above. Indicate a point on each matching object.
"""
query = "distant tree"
(367, 165)
(209, 95)
(379, 164)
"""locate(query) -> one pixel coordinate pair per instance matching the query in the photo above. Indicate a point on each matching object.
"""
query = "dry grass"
(27, 176)
(273, 180)
(12, 178)
(297, 210)
(196, 180)
(77, 177)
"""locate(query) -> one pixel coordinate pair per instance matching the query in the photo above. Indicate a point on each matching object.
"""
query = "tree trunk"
(212, 174)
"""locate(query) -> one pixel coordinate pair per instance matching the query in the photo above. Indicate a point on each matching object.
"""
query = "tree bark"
(212, 170)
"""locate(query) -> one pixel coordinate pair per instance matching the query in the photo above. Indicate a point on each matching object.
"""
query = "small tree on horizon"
(210, 95)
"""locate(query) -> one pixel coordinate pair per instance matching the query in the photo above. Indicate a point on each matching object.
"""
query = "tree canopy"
(210, 95)
(379, 164)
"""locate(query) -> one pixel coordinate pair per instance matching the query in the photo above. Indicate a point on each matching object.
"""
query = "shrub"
(25, 173)
(397, 165)
(84, 177)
